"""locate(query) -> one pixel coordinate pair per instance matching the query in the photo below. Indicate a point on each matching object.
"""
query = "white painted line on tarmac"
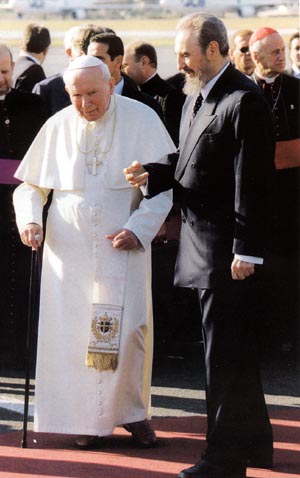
(16, 406)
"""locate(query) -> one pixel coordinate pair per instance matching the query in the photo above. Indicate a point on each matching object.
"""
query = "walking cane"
(33, 287)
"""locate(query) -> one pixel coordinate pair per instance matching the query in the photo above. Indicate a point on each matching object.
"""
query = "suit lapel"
(201, 121)
(205, 116)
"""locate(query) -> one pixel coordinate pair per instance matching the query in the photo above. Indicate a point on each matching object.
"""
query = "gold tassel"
(102, 361)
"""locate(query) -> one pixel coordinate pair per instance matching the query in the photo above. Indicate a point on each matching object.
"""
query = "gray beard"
(193, 85)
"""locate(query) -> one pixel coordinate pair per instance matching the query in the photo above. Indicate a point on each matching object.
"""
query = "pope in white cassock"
(94, 357)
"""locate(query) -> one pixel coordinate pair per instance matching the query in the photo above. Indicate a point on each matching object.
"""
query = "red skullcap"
(261, 33)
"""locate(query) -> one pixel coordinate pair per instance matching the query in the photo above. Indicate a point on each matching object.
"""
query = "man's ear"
(119, 60)
(68, 52)
(230, 54)
(145, 60)
(213, 50)
(254, 56)
(112, 85)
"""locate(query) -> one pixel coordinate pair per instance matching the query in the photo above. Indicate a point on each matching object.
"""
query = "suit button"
(192, 223)
(193, 165)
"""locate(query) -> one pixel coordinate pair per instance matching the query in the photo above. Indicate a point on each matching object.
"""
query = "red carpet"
(181, 441)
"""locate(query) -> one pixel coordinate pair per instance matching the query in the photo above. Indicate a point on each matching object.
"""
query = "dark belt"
(8, 168)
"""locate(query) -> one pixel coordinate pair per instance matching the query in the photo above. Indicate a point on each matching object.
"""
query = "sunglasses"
(244, 49)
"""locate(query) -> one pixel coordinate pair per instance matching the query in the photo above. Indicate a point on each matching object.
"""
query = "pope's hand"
(124, 240)
(136, 174)
(240, 270)
(32, 236)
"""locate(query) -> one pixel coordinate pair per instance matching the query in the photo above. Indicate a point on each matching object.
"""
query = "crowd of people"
(128, 163)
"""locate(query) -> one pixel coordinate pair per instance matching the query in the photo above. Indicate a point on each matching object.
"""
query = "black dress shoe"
(142, 433)
(204, 469)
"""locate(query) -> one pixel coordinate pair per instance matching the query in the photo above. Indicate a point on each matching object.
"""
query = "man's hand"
(240, 270)
(136, 174)
(124, 240)
(32, 236)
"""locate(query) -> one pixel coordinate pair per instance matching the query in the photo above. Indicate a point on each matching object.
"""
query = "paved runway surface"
(178, 417)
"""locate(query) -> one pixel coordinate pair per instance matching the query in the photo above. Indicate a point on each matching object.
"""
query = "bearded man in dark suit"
(21, 116)
(223, 178)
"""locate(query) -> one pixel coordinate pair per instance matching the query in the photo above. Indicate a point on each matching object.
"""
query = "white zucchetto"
(86, 61)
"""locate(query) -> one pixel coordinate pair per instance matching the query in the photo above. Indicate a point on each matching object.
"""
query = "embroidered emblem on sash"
(105, 328)
(104, 341)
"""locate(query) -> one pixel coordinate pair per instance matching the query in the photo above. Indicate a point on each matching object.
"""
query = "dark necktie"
(197, 105)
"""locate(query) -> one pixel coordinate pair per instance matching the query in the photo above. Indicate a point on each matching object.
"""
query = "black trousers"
(238, 425)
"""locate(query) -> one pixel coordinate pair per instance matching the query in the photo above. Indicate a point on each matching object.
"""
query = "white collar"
(150, 77)
(35, 60)
(208, 87)
(267, 79)
(119, 86)
(2, 97)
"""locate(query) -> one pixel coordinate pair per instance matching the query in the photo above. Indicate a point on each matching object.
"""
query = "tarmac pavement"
(178, 387)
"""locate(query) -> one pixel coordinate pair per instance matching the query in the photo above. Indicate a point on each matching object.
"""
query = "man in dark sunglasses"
(239, 52)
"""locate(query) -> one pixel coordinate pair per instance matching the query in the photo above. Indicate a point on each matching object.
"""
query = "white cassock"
(80, 262)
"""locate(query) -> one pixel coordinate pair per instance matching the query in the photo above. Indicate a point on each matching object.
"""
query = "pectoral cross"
(96, 163)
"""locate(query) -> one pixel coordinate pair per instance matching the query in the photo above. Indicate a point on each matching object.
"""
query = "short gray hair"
(208, 28)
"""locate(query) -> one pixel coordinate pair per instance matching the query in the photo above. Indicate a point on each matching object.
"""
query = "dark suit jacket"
(53, 92)
(171, 101)
(27, 73)
(223, 176)
(131, 90)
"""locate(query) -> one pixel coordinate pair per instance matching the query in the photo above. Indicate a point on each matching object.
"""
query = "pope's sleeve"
(146, 221)
(29, 201)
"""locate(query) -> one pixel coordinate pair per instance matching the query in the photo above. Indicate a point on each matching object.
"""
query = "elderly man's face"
(270, 59)
(192, 61)
(6, 72)
(90, 92)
